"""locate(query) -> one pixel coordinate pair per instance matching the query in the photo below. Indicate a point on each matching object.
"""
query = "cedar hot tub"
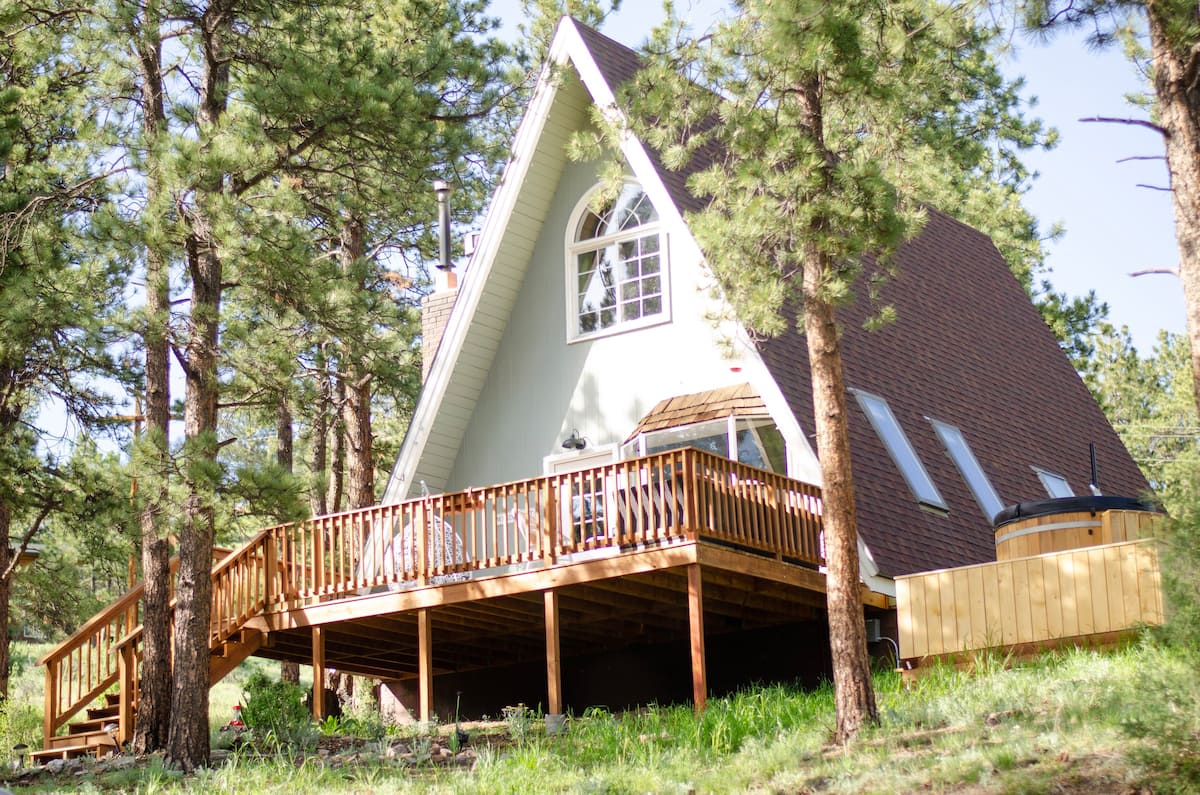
(1035, 528)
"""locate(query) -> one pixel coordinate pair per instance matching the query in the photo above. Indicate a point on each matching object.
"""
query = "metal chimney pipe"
(443, 191)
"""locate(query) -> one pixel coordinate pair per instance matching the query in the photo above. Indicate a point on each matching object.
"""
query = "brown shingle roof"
(967, 348)
(739, 400)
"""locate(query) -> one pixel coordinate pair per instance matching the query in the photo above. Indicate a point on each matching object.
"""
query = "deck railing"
(675, 496)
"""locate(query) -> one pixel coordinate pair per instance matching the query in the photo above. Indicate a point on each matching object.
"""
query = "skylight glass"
(1056, 485)
(964, 458)
(900, 449)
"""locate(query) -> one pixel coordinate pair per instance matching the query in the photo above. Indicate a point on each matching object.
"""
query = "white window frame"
(1050, 481)
(968, 465)
(902, 453)
(575, 247)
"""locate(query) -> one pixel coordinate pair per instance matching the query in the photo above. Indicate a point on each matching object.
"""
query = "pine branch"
(1133, 122)
(26, 540)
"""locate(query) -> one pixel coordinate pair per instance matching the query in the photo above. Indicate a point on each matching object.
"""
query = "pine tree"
(1162, 37)
(54, 296)
(823, 119)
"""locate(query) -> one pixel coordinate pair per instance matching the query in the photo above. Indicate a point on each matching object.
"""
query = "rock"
(55, 766)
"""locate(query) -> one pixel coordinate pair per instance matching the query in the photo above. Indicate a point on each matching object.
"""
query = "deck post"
(425, 664)
(127, 676)
(318, 653)
(553, 659)
(696, 622)
(51, 710)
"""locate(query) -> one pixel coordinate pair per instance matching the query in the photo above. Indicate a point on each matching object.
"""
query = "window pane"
(964, 458)
(710, 436)
(1056, 485)
(900, 449)
(614, 283)
(761, 444)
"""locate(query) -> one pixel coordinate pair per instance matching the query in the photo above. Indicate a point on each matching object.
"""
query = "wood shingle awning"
(739, 400)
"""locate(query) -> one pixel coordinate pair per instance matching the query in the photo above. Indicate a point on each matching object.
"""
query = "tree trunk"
(153, 720)
(284, 438)
(5, 595)
(1177, 96)
(337, 447)
(356, 398)
(317, 502)
(854, 695)
(188, 745)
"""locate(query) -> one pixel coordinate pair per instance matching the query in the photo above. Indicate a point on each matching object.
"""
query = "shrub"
(1181, 567)
(275, 712)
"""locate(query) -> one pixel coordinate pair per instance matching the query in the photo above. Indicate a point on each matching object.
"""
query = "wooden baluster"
(270, 568)
(420, 530)
(549, 524)
(319, 537)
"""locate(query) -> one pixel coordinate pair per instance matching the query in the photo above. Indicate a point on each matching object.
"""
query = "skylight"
(956, 445)
(1056, 485)
(900, 449)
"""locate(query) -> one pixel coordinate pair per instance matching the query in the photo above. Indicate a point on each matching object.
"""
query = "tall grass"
(1074, 720)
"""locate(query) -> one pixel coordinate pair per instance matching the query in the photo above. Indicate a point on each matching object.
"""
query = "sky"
(1112, 226)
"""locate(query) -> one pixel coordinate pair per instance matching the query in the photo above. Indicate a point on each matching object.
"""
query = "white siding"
(539, 388)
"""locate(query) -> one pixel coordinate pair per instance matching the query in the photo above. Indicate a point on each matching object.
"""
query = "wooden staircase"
(96, 735)
(106, 653)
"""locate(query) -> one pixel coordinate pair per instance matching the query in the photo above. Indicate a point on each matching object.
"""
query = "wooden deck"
(666, 547)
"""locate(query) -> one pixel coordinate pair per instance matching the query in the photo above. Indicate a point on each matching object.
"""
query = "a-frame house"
(656, 530)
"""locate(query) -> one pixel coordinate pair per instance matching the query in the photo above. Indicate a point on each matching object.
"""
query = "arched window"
(617, 264)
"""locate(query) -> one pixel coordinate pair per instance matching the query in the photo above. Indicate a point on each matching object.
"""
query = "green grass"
(1071, 722)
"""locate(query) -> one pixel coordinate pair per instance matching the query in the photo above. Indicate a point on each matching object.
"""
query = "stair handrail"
(90, 654)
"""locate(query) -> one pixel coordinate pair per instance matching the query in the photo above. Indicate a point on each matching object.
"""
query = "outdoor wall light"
(574, 441)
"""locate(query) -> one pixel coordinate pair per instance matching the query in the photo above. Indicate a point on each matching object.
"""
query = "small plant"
(275, 712)
(329, 726)
(520, 721)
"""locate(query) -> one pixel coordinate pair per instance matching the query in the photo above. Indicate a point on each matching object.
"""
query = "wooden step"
(103, 712)
(91, 725)
(91, 738)
(65, 752)
(78, 743)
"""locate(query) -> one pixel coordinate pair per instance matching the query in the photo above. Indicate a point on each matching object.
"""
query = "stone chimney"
(435, 309)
